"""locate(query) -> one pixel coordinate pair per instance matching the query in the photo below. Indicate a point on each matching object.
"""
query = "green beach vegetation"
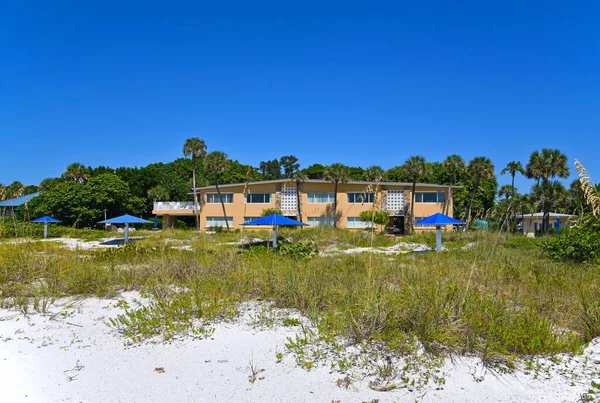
(497, 295)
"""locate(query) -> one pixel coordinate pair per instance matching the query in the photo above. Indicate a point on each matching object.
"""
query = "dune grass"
(500, 299)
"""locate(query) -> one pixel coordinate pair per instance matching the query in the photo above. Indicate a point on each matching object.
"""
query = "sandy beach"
(70, 354)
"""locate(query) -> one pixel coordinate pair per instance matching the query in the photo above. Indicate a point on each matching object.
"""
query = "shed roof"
(18, 201)
(540, 215)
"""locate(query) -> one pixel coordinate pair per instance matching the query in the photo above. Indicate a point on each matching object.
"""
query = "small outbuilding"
(532, 223)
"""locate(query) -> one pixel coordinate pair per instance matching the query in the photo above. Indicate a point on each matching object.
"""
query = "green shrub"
(580, 244)
(376, 217)
(298, 250)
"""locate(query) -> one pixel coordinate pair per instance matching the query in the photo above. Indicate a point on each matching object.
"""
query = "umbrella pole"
(45, 230)
(274, 235)
(126, 233)
(438, 238)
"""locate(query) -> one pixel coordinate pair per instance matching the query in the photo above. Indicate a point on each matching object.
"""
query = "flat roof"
(551, 215)
(18, 201)
(287, 180)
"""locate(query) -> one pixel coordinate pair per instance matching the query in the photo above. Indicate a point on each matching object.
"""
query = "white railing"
(173, 205)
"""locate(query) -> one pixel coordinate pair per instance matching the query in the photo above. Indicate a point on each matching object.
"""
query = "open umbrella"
(45, 219)
(438, 220)
(274, 220)
(126, 219)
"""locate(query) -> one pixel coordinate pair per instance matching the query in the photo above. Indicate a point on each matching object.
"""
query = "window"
(214, 198)
(320, 197)
(320, 221)
(430, 197)
(258, 198)
(361, 197)
(246, 219)
(214, 222)
(355, 222)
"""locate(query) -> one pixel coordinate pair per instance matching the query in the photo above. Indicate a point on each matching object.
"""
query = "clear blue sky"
(124, 83)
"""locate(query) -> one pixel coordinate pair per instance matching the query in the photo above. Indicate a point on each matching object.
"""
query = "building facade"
(245, 202)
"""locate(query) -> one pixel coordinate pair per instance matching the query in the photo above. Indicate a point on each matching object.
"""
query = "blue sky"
(124, 83)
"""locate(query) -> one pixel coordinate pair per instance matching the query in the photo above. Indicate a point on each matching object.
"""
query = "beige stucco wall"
(238, 210)
(529, 224)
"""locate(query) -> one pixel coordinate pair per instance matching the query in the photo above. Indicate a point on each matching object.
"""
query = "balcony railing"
(173, 205)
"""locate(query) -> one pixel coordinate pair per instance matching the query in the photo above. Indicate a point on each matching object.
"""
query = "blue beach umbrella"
(45, 219)
(126, 219)
(438, 220)
(274, 220)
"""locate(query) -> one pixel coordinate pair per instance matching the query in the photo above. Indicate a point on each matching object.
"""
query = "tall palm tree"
(77, 172)
(513, 168)
(416, 169)
(479, 168)
(15, 189)
(533, 169)
(550, 194)
(195, 148)
(507, 191)
(452, 162)
(545, 165)
(215, 164)
(509, 206)
(373, 173)
(336, 173)
(554, 164)
(299, 178)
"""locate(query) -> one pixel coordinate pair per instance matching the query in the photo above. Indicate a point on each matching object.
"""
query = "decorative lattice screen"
(289, 202)
(394, 201)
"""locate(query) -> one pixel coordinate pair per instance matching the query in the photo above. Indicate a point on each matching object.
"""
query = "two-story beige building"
(244, 202)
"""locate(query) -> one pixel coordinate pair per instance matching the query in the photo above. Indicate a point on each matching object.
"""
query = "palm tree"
(453, 162)
(545, 165)
(373, 173)
(416, 168)
(513, 168)
(518, 203)
(77, 172)
(336, 173)
(196, 148)
(507, 191)
(215, 164)
(550, 194)
(508, 205)
(534, 167)
(299, 178)
(554, 164)
(479, 168)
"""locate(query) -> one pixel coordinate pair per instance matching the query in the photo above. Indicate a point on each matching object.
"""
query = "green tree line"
(81, 194)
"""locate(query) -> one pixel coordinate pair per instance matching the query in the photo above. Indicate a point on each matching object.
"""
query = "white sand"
(75, 357)
(396, 249)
